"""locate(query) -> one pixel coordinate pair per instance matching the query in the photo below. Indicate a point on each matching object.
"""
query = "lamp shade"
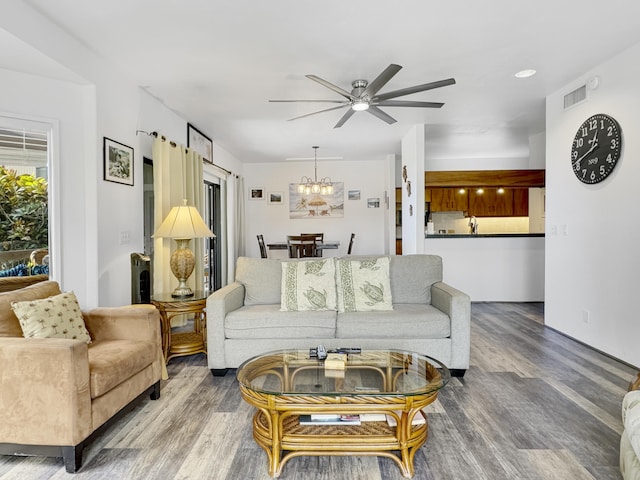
(183, 222)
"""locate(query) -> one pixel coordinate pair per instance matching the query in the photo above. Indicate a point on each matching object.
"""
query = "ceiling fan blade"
(344, 118)
(312, 101)
(416, 89)
(319, 111)
(376, 112)
(381, 80)
(403, 103)
(331, 86)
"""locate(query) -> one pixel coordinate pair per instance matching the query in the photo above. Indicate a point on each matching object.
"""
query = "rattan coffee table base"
(369, 438)
(282, 437)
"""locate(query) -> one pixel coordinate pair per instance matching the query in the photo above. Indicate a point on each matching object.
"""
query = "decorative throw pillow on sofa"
(363, 285)
(308, 285)
(54, 317)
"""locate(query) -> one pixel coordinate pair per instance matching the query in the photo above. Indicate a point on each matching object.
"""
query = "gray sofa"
(244, 319)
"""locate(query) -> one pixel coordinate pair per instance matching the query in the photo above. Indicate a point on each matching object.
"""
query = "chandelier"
(308, 186)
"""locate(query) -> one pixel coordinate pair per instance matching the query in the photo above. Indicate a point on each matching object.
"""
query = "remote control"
(321, 352)
(349, 350)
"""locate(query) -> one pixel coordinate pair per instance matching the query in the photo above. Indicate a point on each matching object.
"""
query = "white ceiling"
(218, 62)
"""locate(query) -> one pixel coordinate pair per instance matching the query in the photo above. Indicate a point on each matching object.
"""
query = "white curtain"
(237, 246)
(177, 176)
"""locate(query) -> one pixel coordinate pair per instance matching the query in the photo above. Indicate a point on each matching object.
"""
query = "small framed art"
(118, 162)
(275, 198)
(354, 195)
(373, 202)
(256, 193)
(199, 142)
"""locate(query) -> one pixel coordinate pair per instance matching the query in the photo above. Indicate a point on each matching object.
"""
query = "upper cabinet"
(483, 193)
(447, 199)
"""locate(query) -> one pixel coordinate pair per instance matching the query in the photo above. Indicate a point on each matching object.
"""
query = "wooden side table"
(182, 343)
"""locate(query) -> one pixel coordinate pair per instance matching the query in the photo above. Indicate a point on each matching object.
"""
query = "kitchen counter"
(492, 267)
(484, 235)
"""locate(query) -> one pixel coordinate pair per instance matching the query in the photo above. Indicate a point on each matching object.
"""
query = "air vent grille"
(577, 96)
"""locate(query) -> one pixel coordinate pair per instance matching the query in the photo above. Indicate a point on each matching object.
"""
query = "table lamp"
(182, 224)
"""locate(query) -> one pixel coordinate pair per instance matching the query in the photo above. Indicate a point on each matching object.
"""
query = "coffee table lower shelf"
(368, 438)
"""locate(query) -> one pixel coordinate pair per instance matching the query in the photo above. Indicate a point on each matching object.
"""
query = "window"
(24, 197)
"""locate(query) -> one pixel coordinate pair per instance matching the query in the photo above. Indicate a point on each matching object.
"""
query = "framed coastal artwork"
(315, 205)
(256, 193)
(275, 198)
(118, 162)
(199, 142)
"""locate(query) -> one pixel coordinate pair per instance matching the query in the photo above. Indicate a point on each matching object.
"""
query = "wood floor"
(533, 405)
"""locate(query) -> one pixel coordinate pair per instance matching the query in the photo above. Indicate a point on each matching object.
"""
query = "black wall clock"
(596, 148)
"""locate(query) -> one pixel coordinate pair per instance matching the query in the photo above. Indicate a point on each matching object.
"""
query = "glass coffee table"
(367, 403)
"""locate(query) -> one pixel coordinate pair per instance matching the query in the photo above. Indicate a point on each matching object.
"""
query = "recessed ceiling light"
(525, 73)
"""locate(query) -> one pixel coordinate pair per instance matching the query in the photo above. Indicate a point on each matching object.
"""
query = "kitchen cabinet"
(447, 199)
(521, 202)
(511, 202)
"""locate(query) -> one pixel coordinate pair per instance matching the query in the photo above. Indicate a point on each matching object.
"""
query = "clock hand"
(593, 147)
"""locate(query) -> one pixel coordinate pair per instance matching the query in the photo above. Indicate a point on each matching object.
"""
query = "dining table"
(324, 245)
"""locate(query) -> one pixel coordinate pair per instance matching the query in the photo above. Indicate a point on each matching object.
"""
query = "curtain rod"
(174, 144)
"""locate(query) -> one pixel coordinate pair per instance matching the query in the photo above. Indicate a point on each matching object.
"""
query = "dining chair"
(353, 236)
(263, 247)
(302, 246)
(319, 239)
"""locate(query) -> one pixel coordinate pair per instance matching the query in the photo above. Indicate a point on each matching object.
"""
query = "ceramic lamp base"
(182, 264)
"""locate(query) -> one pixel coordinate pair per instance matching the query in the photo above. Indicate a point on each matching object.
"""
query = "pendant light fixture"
(308, 186)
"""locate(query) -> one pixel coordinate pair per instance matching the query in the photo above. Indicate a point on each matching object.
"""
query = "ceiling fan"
(364, 96)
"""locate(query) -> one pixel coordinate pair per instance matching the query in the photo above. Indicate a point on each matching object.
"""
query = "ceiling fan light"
(529, 72)
(360, 106)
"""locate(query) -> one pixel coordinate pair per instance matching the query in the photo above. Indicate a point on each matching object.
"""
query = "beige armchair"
(56, 394)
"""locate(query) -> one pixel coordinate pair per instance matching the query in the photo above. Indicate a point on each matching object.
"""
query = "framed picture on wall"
(199, 142)
(275, 198)
(354, 195)
(118, 162)
(256, 193)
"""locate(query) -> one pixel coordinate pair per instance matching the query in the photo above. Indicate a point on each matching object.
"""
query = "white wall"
(273, 220)
(64, 103)
(592, 238)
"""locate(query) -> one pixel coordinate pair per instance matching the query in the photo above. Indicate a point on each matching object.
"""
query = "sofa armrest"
(219, 304)
(44, 391)
(457, 305)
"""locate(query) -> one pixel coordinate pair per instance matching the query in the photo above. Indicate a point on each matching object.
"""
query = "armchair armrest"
(457, 305)
(219, 304)
(44, 391)
(132, 322)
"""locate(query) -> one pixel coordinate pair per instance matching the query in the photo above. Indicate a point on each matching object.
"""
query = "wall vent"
(577, 96)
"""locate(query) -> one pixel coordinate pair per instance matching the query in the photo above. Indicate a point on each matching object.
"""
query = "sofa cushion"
(58, 316)
(9, 324)
(112, 362)
(405, 321)
(261, 279)
(308, 285)
(412, 277)
(267, 321)
(631, 419)
(363, 284)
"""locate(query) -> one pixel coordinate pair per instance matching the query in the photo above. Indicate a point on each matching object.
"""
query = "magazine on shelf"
(329, 419)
